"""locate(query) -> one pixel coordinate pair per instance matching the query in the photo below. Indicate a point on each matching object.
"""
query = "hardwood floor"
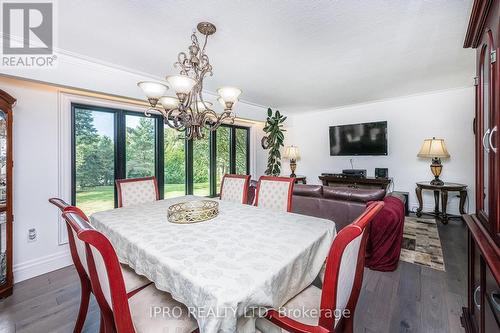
(411, 299)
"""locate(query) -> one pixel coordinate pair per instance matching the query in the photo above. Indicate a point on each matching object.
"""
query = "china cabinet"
(482, 313)
(6, 216)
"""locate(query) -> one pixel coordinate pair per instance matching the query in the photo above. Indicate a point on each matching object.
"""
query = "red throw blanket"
(386, 236)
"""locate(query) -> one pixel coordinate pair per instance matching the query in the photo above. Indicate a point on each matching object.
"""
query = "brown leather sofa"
(339, 204)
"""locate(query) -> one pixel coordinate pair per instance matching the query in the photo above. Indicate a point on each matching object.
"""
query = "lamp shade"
(182, 84)
(433, 148)
(169, 102)
(292, 153)
(203, 106)
(229, 94)
(152, 89)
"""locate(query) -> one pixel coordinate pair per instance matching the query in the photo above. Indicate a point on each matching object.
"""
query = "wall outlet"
(31, 235)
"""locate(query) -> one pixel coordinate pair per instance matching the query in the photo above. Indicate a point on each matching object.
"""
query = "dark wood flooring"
(411, 299)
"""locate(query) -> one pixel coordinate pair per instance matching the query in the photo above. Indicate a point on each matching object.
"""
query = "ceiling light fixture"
(188, 111)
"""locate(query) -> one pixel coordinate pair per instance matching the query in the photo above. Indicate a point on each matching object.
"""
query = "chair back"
(105, 274)
(77, 249)
(344, 269)
(275, 193)
(135, 191)
(234, 188)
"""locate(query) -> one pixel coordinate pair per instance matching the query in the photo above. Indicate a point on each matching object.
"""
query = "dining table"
(245, 258)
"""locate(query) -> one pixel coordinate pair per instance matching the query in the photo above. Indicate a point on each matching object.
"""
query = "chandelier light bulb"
(152, 89)
(182, 84)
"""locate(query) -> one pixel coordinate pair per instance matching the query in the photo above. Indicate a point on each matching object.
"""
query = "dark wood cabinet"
(331, 179)
(482, 314)
(6, 216)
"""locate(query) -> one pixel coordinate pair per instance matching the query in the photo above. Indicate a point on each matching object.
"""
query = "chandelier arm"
(172, 121)
(213, 125)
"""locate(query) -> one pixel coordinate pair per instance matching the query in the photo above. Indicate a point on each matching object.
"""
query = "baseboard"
(39, 266)
(430, 208)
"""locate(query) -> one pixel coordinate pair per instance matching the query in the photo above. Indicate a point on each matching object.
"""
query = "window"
(110, 144)
(223, 153)
(140, 146)
(242, 153)
(201, 165)
(175, 163)
(94, 163)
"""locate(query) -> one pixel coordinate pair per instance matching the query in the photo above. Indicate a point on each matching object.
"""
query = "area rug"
(421, 243)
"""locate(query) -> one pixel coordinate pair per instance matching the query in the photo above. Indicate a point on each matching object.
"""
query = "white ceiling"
(296, 55)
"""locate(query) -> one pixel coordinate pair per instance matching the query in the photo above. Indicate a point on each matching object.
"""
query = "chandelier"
(187, 111)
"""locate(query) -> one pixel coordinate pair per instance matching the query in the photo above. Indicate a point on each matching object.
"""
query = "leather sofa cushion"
(350, 194)
(338, 211)
(315, 191)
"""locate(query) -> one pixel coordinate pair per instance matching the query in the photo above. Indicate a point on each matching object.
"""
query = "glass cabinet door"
(484, 132)
(3, 197)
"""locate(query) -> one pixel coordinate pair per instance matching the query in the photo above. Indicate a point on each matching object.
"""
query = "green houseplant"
(275, 137)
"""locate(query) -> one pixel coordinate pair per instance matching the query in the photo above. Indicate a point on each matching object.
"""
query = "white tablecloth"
(245, 257)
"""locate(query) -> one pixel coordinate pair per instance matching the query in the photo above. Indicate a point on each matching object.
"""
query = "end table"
(301, 179)
(443, 190)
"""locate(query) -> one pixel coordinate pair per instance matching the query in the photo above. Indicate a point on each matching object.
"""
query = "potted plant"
(274, 141)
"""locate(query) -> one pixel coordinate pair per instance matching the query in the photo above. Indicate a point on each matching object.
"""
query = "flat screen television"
(359, 139)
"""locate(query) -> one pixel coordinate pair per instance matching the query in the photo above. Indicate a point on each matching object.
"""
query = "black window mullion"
(160, 155)
(73, 156)
(213, 163)
(120, 149)
(248, 151)
(189, 166)
(232, 150)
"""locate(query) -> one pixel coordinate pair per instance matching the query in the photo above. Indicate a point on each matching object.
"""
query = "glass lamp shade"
(202, 107)
(223, 103)
(433, 148)
(292, 153)
(229, 94)
(152, 89)
(182, 84)
(169, 102)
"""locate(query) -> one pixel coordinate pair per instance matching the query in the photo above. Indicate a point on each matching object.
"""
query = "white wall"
(445, 114)
(92, 75)
(41, 134)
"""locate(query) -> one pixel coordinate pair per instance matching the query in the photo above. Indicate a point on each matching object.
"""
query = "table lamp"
(292, 153)
(435, 149)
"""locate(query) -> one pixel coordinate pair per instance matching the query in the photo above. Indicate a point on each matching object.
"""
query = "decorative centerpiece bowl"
(193, 211)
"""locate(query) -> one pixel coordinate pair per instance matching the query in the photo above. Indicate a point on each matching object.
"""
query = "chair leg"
(349, 325)
(84, 305)
(101, 325)
(107, 323)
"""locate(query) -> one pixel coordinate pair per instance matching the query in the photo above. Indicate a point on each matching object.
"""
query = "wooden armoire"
(482, 314)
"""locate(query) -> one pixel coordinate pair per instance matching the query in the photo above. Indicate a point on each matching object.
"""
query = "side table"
(443, 190)
(301, 179)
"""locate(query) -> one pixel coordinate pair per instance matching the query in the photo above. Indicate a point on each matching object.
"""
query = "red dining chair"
(121, 313)
(134, 282)
(334, 305)
(135, 191)
(275, 193)
(234, 188)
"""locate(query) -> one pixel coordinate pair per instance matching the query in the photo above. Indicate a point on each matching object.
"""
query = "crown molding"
(95, 61)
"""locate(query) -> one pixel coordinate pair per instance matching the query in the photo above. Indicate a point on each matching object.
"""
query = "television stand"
(342, 180)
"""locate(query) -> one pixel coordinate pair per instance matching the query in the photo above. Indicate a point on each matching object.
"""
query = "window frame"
(119, 140)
